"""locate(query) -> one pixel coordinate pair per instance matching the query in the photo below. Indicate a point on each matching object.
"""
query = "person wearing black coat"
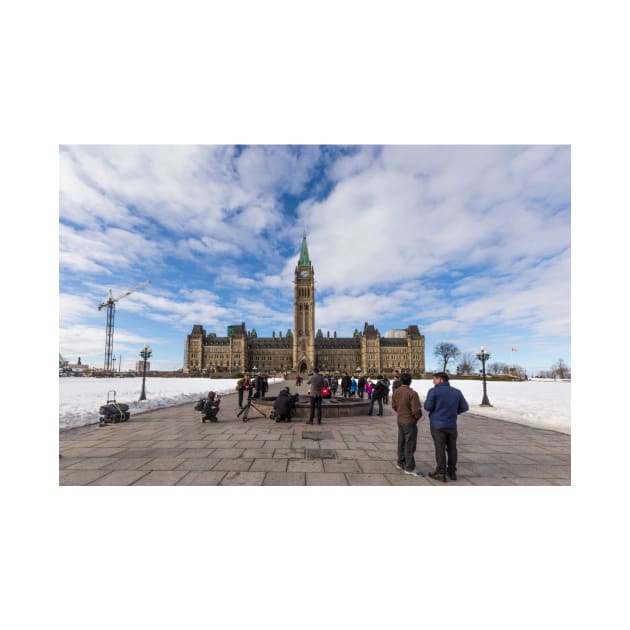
(211, 408)
(284, 405)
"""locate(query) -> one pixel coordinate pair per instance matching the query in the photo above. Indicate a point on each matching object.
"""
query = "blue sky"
(472, 243)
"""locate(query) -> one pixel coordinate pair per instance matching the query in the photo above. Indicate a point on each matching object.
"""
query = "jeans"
(380, 406)
(407, 439)
(316, 403)
(240, 398)
(445, 442)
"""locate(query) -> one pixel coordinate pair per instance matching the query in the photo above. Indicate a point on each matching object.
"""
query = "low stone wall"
(331, 407)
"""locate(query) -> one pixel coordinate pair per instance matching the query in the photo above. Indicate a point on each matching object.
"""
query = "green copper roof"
(304, 259)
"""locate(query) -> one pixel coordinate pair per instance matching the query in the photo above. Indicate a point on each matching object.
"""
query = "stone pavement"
(173, 447)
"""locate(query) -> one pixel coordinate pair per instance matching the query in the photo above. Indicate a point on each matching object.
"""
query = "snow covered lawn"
(81, 397)
(542, 404)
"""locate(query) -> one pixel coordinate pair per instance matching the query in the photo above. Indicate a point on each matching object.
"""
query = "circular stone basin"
(336, 407)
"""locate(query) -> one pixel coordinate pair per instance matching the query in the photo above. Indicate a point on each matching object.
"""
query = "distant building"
(304, 348)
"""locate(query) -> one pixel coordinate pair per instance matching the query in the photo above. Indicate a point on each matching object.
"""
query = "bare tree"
(446, 351)
(560, 369)
(467, 364)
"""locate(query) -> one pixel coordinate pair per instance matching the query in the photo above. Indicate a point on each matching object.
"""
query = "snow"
(541, 404)
(81, 397)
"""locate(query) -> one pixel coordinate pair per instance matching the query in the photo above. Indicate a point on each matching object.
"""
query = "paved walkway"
(173, 447)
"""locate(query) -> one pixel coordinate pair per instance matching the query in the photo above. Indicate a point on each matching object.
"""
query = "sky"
(472, 243)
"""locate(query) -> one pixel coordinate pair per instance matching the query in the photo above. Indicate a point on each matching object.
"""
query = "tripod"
(246, 410)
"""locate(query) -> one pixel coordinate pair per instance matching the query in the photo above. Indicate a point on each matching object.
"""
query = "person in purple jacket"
(444, 403)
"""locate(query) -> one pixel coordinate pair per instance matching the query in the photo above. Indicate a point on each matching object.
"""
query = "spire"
(304, 258)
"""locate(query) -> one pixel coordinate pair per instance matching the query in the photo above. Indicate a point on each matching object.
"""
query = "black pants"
(316, 403)
(380, 406)
(407, 438)
(240, 398)
(445, 441)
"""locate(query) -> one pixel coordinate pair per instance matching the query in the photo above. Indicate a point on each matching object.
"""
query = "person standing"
(386, 392)
(377, 395)
(345, 385)
(298, 380)
(361, 386)
(353, 387)
(334, 384)
(444, 403)
(406, 403)
(368, 389)
(240, 387)
(396, 384)
(316, 381)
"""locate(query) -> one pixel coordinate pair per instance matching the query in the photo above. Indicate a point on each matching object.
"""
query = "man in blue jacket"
(443, 404)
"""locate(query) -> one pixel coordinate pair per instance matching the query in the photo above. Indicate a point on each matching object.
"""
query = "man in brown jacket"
(406, 403)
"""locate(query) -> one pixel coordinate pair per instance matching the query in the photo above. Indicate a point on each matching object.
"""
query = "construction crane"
(110, 303)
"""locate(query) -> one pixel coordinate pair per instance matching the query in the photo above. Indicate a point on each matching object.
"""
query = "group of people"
(254, 386)
(443, 403)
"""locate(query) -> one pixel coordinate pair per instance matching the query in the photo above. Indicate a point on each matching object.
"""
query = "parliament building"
(302, 349)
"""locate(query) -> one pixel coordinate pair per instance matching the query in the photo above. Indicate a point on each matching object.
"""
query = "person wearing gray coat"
(316, 381)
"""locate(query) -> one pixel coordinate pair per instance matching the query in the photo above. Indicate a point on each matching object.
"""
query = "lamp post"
(483, 355)
(145, 353)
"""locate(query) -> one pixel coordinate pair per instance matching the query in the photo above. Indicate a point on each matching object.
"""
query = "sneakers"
(399, 467)
(452, 475)
(438, 476)
(409, 472)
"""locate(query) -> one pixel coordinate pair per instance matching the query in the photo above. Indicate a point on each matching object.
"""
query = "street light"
(483, 355)
(145, 353)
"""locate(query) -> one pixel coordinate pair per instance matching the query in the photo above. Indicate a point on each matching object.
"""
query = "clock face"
(304, 274)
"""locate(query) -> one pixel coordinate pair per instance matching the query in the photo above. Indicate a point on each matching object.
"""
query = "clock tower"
(304, 313)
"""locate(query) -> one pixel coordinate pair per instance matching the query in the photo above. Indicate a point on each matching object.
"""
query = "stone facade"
(303, 348)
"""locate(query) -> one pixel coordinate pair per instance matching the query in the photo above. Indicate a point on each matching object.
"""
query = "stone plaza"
(171, 446)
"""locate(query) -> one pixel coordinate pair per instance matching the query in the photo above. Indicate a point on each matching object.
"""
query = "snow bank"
(541, 404)
(81, 397)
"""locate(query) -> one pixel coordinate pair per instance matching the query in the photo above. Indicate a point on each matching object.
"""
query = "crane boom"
(111, 299)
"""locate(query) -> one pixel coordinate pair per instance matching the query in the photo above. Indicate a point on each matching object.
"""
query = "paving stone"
(163, 463)
(243, 479)
(326, 479)
(129, 463)
(250, 444)
(197, 452)
(258, 453)
(285, 479)
(278, 444)
(401, 479)
(202, 478)
(233, 464)
(222, 443)
(161, 478)
(269, 465)
(119, 478)
(377, 466)
(341, 466)
(304, 465)
(228, 453)
(198, 463)
(363, 479)
(79, 477)
(94, 463)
